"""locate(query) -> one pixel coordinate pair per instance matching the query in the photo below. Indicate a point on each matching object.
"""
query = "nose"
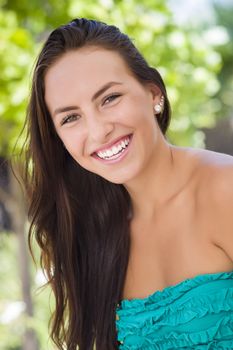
(99, 128)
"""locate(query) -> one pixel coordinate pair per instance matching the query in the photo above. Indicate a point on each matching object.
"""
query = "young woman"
(136, 233)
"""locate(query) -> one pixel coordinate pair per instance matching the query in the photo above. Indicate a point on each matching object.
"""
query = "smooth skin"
(182, 197)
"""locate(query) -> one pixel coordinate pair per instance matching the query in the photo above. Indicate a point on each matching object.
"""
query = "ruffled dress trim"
(196, 313)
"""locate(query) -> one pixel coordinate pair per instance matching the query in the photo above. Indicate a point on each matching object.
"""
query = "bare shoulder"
(213, 170)
(216, 193)
(216, 174)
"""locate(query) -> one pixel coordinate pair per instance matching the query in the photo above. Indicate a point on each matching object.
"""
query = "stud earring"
(159, 106)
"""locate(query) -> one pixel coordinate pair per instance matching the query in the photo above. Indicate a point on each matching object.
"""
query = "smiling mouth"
(116, 150)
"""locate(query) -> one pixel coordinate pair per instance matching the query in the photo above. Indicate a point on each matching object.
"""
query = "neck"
(159, 182)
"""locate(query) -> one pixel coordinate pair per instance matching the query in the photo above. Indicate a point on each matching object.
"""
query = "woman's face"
(102, 114)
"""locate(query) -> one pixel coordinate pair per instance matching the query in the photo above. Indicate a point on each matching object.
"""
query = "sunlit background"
(189, 41)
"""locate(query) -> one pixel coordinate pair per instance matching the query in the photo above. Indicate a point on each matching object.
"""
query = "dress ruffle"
(196, 313)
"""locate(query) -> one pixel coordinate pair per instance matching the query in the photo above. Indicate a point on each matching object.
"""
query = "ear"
(155, 92)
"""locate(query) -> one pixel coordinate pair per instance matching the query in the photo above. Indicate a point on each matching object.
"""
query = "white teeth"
(119, 148)
(122, 144)
(114, 150)
(109, 153)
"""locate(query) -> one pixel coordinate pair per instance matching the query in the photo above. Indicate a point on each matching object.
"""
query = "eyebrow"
(94, 97)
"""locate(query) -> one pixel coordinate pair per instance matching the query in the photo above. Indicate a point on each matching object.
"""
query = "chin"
(121, 179)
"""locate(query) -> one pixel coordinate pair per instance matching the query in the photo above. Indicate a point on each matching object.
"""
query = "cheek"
(73, 142)
(139, 108)
(143, 119)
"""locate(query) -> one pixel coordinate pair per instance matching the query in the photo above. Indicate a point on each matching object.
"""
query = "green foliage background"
(190, 64)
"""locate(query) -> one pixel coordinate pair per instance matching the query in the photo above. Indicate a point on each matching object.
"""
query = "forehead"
(85, 66)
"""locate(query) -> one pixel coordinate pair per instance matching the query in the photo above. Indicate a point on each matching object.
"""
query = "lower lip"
(119, 158)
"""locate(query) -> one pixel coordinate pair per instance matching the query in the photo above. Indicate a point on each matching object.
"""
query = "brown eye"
(70, 118)
(111, 98)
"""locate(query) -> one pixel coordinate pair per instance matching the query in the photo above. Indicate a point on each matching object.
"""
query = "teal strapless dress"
(196, 313)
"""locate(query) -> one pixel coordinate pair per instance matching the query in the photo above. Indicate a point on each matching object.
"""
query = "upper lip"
(110, 144)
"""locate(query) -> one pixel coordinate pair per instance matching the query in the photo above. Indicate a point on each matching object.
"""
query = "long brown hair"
(79, 219)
